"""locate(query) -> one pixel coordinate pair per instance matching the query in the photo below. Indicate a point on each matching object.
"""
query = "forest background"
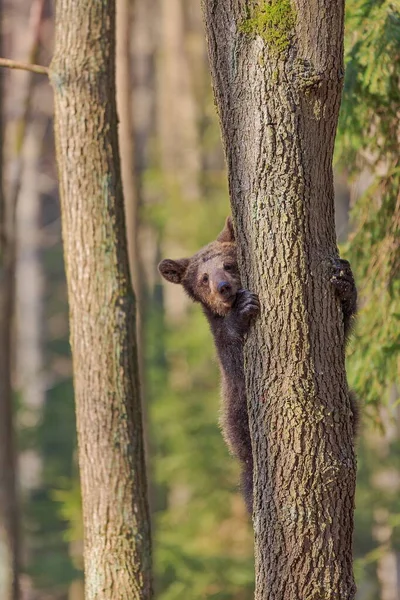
(203, 545)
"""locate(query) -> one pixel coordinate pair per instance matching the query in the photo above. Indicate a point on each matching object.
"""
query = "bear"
(211, 277)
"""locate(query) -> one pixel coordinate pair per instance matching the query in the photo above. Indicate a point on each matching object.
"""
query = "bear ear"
(228, 233)
(173, 270)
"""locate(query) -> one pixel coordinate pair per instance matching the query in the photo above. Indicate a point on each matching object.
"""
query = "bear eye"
(205, 278)
(228, 267)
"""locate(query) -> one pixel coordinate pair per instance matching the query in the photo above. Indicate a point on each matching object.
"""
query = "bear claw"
(247, 303)
(343, 281)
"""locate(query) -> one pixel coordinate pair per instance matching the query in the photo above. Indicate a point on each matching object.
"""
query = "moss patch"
(273, 21)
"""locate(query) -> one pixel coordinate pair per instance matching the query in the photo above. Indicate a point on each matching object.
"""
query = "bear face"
(211, 276)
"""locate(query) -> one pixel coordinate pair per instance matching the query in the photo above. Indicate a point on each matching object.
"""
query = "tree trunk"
(29, 351)
(125, 133)
(277, 72)
(9, 530)
(178, 116)
(102, 304)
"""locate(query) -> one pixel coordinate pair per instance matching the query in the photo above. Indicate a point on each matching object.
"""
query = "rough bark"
(278, 99)
(102, 304)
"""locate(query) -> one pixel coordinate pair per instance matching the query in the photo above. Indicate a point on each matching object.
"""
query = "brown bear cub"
(212, 278)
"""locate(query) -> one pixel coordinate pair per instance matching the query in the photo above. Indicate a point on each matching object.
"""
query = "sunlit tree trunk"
(102, 304)
(277, 72)
(125, 132)
(145, 43)
(178, 116)
(29, 302)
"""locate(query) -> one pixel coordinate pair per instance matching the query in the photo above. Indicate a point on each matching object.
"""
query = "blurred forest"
(203, 540)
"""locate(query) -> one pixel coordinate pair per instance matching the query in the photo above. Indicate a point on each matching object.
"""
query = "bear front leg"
(343, 281)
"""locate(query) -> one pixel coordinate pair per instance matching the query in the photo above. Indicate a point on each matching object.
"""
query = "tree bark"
(102, 304)
(277, 72)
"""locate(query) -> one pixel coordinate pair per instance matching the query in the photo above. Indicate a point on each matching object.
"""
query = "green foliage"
(367, 142)
(377, 502)
(273, 21)
(374, 248)
(47, 514)
(50, 564)
(368, 128)
(367, 147)
(69, 498)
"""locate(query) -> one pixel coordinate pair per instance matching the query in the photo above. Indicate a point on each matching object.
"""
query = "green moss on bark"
(273, 21)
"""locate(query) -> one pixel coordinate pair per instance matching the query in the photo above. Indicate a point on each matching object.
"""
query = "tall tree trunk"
(9, 546)
(29, 359)
(178, 117)
(130, 176)
(102, 304)
(9, 532)
(125, 133)
(277, 71)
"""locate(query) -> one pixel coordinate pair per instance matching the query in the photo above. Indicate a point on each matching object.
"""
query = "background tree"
(278, 87)
(102, 304)
(14, 356)
(9, 534)
(125, 132)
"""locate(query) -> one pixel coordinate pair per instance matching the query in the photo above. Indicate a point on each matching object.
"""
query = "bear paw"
(343, 281)
(246, 305)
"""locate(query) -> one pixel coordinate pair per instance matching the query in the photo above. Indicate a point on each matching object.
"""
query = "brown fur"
(212, 278)
(229, 313)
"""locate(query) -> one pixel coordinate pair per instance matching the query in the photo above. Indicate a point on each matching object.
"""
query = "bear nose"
(224, 288)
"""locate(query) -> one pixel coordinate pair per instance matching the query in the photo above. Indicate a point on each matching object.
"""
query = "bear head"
(211, 276)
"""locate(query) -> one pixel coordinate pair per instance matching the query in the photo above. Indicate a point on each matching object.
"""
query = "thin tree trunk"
(386, 485)
(9, 531)
(178, 117)
(277, 74)
(125, 133)
(29, 358)
(102, 304)
(130, 175)
(145, 42)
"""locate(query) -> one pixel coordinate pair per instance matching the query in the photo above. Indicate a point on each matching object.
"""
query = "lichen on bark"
(273, 21)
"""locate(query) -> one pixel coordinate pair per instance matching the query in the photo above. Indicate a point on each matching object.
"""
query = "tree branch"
(13, 64)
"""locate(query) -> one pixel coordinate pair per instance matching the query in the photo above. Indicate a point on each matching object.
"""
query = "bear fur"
(211, 277)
